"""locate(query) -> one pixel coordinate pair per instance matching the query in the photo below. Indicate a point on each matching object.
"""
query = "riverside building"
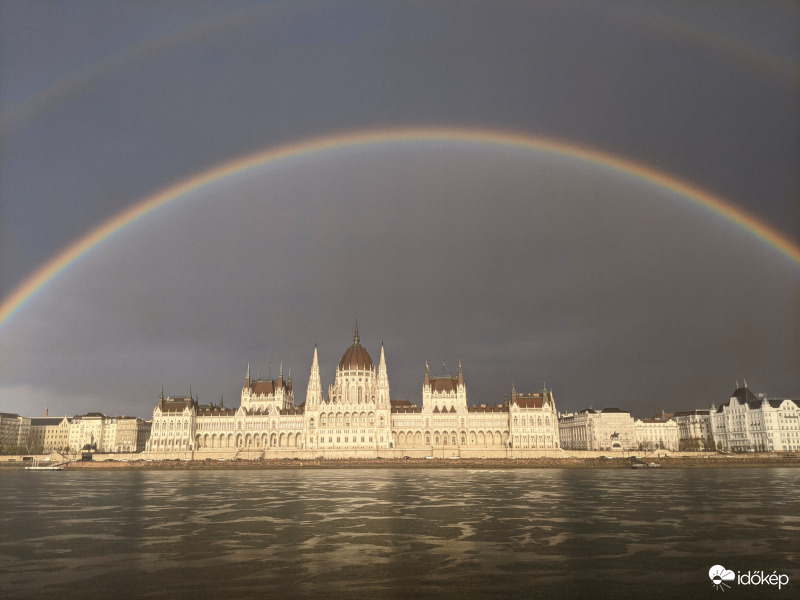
(694, 430)
(656, 434)
(609, 429)
(356, 417)
(750, 423)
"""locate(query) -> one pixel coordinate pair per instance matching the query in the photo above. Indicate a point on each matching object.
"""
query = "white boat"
(45, 466)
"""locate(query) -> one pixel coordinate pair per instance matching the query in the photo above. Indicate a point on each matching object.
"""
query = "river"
(395, 533)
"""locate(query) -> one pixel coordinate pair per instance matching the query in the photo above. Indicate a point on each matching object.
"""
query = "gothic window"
(359, 395)
(311, 423)
(323, 420)
(381, 422)
(539, 421)
(463, 440)
(547, 421)
(436, 439)
(371, 419)
(515, 421)
(428, 439)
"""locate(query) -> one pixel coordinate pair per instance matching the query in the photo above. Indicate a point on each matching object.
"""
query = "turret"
(314, 392)
(383, 380)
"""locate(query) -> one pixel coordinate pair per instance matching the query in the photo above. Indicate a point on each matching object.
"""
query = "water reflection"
(387, 533)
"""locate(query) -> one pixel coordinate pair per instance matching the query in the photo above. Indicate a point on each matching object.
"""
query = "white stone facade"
(749, 423)
(92, 429)
(656, 434)
(611, 429)
(357, 418)
(694, 430)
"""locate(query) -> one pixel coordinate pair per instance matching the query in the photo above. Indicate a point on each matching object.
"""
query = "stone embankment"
(575, 462)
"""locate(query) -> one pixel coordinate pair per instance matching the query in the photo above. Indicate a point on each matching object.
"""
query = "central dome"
(356, 357)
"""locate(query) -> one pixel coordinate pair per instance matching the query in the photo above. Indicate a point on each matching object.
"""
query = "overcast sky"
(529, 268)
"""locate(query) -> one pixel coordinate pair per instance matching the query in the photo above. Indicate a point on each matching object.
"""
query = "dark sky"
(528, 267)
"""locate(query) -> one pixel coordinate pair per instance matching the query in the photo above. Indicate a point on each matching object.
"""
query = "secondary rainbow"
(693, 194)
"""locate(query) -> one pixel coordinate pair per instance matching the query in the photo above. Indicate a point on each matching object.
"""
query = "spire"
(427, 374)
(247, 379)
(356, 338)
(222, 401)
(161, 397)
(190, 392)
(460, 374)
(314, 391)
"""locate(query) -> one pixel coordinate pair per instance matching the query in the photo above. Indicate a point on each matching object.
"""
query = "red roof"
(443, 384)
(534, 402)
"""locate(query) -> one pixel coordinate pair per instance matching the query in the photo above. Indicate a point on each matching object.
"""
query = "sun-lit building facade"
(751, 423)
(610, 429)
(355, 417)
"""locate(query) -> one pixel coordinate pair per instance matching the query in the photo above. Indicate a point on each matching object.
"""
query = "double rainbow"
(56, 265)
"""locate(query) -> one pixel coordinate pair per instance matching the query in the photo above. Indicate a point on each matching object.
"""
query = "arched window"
(359, 395)
(323, 420)
(428, 439)
(381, 422)
(311, 423)
(515, 420)
(547, 421)
(539, 421)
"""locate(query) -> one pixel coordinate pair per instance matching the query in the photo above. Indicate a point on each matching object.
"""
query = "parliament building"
(355, 418)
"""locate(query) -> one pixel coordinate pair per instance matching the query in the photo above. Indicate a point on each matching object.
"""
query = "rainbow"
(56, 265)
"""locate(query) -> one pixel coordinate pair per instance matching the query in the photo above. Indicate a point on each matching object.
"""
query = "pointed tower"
(247, 379)
(383, 381)
(314, 392)
(460, 375)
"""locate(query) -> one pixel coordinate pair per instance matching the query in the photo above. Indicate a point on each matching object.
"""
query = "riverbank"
(720, 461)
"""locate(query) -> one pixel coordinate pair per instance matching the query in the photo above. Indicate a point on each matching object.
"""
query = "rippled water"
(383, 533)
